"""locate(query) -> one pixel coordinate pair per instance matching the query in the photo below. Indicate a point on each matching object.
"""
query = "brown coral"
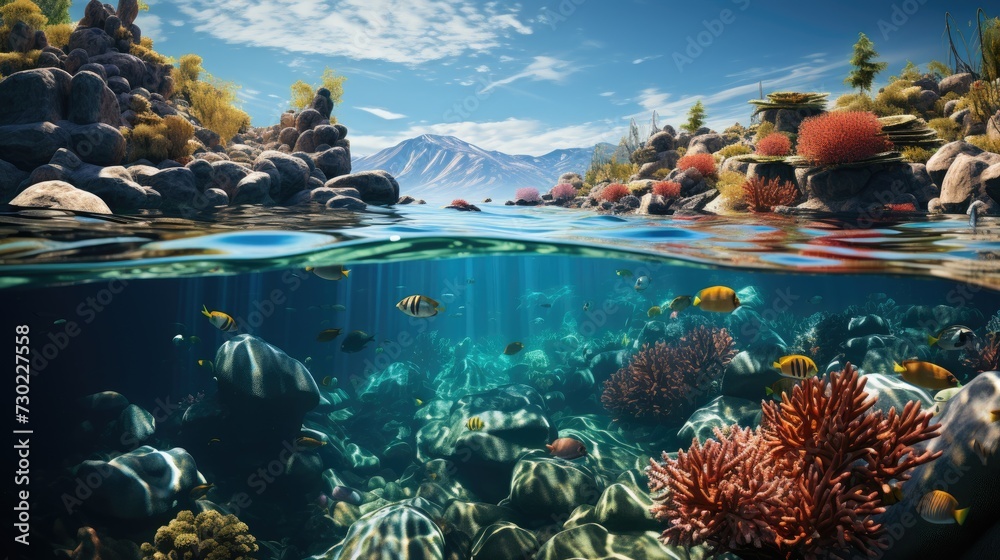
(209, 536)
(985, 356)
(763, 195)
(802, 485)
(664, 381)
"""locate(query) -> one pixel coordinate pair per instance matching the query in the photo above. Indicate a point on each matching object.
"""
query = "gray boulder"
(92, 40)
(61, 195)
(154, 78)
(941, 161)
(289, 174)
(309, 119)
(962, 183)
(225, 175)
(958, 83)
(334, 162)
(97, 143)
(990, 179)
(252, 375)
(376, 187)
(306, 142)
(33, 96)
(706, 144)
(548, 487)
(29, 145)
(255, 188)
(10, 180)
(395, 531)
(177, 187)
(653, 205)
(346, 203)
(326, 134)
(662, 142)
(214, 197)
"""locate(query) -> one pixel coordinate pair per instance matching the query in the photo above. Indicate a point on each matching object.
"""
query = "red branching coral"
(614, 192)
(901, 207)
(669, 381)
(774, 144)
(667, 189)
(762, 195)
(805, 484)
(841, 137)
(464, 205)
(985, 356)
(704, 163)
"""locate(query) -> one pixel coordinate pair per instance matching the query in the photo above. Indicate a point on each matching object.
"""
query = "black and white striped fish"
(419, 306)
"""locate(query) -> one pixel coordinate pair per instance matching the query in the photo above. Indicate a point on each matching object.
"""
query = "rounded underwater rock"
(60, 195)
(892, 391)
(721, 412)
(346, 203)
(252, 373)
(542, 487)
(135, 425)
(140, 484)
(868, 324)
(751, 371)
(472, 517)
(504, 541)
(594, 542)
(621, 509)
(394, 531)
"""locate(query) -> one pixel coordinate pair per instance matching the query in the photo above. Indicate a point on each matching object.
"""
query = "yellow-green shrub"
(733, 150)
(730, 187)
(947, 129)
(984, 142)
(212, 101)
(147, 53)
(20, 10)
(17, 61)
(147, 141)
(916, 154)
(610, 171)
(763, 130)
(178, 132)
(661, 174)
(58, 34)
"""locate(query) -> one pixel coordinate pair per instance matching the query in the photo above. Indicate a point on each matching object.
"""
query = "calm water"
(116, 305)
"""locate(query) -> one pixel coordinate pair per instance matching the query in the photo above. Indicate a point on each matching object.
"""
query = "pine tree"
(696, 117)
(864, 68)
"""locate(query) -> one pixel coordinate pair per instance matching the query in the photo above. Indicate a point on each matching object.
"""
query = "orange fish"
(567, 448)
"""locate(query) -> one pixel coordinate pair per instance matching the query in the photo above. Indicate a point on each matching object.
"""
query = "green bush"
(947, 129)
(212, 102)
(916, 154)
(661, 174)
(984, 142)
(643, 155)
(763, 130)
(730, 187)
(733, 150)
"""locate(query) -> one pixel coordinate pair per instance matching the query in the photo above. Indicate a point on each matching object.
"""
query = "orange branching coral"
(763, 195)
(669, 381)
(813, 469)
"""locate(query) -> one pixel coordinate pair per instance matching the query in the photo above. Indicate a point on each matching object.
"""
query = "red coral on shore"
(774, 144)
(669, 381)
(762, 195)
(805, 484)
(841, 137)
(704, 163)
(614, 192)
(667, 189)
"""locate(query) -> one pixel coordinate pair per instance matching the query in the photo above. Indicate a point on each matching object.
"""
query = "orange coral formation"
(763, 195)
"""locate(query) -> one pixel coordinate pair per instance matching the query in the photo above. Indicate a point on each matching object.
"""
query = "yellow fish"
(335, 272)
(306, 442)
(418, 402)
(214, 441)
(891, 493)
(421, 307)
(940, 507)
(783, 385)
(680, 303)
(206, 364)
(995, 416)
(219, 320)
(513, 348)
(719, 299)
(796, 366)
(625, 340)
(654, 311)
(624, 272)
(200, 491)
(475, 424)
(925, 374)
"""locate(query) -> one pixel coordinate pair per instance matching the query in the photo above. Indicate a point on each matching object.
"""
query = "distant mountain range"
(445, 167)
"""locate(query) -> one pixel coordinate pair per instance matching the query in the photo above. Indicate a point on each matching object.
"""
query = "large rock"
(957, 83)
(723, 411)
(396, 531)
(376, 187)
(155, 78)
(653, 205)
(61, 195)
(91, 101)
(10, 180)
(334, 162)
(34, 96)
(255, 188)
(838, 183)
(621, 508)
(962, 183)
(114, 185)
(309, 119)
(139, 485)
(289, 174)
(990, 179)
(940, 162)
(92, 40)
(326, 134)
(662, 141)
(504, 541)
(97, 143)
(548, 487)
(591, 541)
(706, 144)
(177, 187)
(225, 175)
(252, 374)
(29, 145)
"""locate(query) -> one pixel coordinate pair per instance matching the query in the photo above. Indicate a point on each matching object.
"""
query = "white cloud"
(607, 94)
(403, 31)
(541, 68)
(646, 59)
(177, 22)
(482, 68)
(505, 58)
(513, 136)
(152, 27)
(382, 113)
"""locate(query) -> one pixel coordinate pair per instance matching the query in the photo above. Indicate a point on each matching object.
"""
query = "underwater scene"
(405, 396)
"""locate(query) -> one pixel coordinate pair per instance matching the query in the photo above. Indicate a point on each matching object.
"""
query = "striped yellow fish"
(219, 320)
(475, 424)
(941, 508)
(654, 311)
(719, 299)
(925, 374)
(419, 306)
(783, 385)
(796, 366)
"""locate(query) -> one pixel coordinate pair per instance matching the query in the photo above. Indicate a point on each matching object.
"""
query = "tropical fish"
(625, 339)
(925, 374)
(680, 303)
(954, 337)
(214, 441)
(783, 385)
(719, 299)
(418, 402)
(328, 335)
(891, 493)
(641, 283)
(219, 320)
(816, 300)
(419, 306)
(178, 340)
(345, 494)
(567, 448)
(995, 416)
(334, 272)
(654, 311)
(475, 424)
(326, 381)
(796, 366)
(940, 507)
(306, 442)
(624, 273)
(338, 307)
(586, 306)
(356, 341)
(471, 280)
(513, 348)
(546, 305)
(200, 491)
(207, 364)
(379, 350)
(945, 395)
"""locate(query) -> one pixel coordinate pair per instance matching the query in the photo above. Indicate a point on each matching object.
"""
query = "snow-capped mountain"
(445, 167)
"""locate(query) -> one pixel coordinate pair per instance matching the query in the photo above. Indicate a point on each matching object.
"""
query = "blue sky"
(530, 77)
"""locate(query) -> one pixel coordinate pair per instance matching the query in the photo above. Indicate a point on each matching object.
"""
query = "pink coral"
(563, 190)
(527, 194)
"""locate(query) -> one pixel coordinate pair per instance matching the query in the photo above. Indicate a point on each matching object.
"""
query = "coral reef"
(669, 381)
(805, 484)
(209, 536)
(841, 137)
(764, 194)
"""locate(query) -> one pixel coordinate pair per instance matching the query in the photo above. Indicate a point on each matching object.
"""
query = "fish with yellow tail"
(654, 311)
(718, 299)
(995, 415)
(796, 366)
(954, 337)
(781, 386)
(306, 442)
(200, 491)
(418, 306)
(680, 303)
(925, 374)
(220, 320)
(475, 424)
(940, 507)
(334, 272)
